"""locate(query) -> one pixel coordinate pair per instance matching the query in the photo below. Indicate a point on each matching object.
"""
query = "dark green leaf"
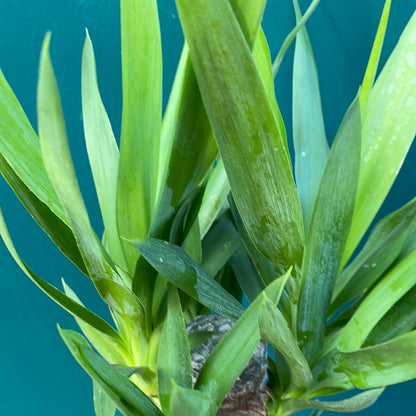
(328, 232)
(382, 248)
(249, 139)
(182, 271)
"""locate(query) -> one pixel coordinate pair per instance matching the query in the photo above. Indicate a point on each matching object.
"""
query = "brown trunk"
(248, 396)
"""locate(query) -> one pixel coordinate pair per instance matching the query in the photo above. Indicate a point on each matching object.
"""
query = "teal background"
(38, 376)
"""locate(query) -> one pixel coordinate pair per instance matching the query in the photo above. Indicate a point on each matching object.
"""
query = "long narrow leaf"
(19, 146)
(141, 120)
(396, 283)
(219, 373)
(60, 298)
(389, 127)
(183, 272)
(102, 151)
(309, 139)
(128, 398)
(57, 229)
(372, 66)
(103, 405)
(174, 356)
(355, 403)
(248, 137)
(328, 232)
(382, 248)
(275, 330)
(388, 363)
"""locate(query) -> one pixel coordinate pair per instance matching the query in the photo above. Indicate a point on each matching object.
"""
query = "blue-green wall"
(38, 375)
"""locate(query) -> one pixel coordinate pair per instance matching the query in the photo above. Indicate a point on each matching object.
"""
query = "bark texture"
(248, 396)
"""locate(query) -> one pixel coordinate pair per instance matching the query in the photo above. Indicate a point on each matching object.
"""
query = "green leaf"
(309, 139)
(102, 151)
(60, 298)
(19, 146)
(384, 364)
(328, 232)
(292, 35)
(141, 121)
(174, 356)
(219, 373)
(395, 284)
(246, 274)
(58, 163)
(254, 152)
(388, 130)
(382, 248)
(352, 404)
(371, 71)
(401, 318)
(56, 229)
(275, 330)
(219, 245)
(103, 405)
(189, 402)
(215, 197)
(113, 349)
(183, 272)
(128, 398)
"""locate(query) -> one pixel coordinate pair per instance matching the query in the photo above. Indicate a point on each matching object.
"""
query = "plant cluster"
(204, 213)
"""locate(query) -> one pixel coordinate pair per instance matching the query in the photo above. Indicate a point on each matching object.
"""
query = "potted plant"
(201, 214)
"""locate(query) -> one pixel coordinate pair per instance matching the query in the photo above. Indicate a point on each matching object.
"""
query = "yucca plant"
(203, 214)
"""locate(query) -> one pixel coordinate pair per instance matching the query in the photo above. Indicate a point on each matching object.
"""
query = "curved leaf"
(254, 152)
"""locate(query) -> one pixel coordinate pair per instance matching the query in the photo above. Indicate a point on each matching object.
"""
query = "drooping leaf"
(174, 356)
(128, 398)
(60, 298)
(249, 139)
(372, 66)
(382, 248)
(377, 366)
(102, 151)
(57, 229)
(309, 139)
(328, 232)
(275, 330)
(388, 130)
(395, 284)
(141, 121)
(183, 272)
(355, 403)
(19, 146)
(219, 373)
